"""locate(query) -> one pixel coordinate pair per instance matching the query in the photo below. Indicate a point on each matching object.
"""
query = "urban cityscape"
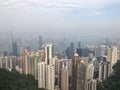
(80, 68)
(59, 45)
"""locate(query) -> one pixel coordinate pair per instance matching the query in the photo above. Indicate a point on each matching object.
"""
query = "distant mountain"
(16, 81)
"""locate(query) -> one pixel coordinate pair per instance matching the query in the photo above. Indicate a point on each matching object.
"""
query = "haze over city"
(88, 19)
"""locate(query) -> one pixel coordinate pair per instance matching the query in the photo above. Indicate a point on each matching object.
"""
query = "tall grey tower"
(40, 42)
(14, 45)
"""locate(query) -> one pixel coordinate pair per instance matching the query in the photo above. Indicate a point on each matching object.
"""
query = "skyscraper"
(50, 77)
(49, 54)
(81, 76)
(76, 60)
(48, 70)
(78, 73)
(14, 45)
(42, 75)
(15, 48)
(56, 63)
(64, 78)
(112, 55)
(30, 59)
(104, 70)
(40, 42)
(91, 83)
(100, 51)
(71, 49)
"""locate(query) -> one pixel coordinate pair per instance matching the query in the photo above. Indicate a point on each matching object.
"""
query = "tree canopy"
(113, 82)
(16, 81)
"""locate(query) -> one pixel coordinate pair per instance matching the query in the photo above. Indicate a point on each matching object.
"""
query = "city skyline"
(59, 44)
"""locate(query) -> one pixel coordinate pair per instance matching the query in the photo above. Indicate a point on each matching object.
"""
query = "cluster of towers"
(77, 71)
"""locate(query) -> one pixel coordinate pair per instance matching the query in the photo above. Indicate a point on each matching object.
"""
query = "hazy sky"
(78, 18)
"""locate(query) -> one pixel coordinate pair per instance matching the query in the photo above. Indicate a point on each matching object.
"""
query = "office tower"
(50, 77)
(64, 78)
(40, 42)
(15, 48)
(14, 45)
(42, 75)
(71, 49)
(112, 56)
(49, 53)
(11, 39)
(67, 51)
(80, 52)
(104, 70)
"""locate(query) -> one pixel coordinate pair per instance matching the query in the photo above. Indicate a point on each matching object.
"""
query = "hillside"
(15, 81)
(113, 82)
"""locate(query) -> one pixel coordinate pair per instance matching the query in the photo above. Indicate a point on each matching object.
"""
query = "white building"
(104, 70)
(49, 53)
(50, 77)
(41, 75)
(112, 56)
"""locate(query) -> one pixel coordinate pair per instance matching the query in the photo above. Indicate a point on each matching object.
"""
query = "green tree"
(16, 81)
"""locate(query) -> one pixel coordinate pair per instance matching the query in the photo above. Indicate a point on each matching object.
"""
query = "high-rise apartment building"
(78, 73)
(100, 51)
(30, 62)
(104, 70)
(46, 76)
(81, 76)
(50, 77)
(42, 75)
(112, 55)
(76, 60)
(48, 80)
(56, 63)
(49, 54)
(64, 78)
(92, 84)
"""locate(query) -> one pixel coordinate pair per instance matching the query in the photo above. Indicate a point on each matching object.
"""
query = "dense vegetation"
(16, 81)
(113, 82)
